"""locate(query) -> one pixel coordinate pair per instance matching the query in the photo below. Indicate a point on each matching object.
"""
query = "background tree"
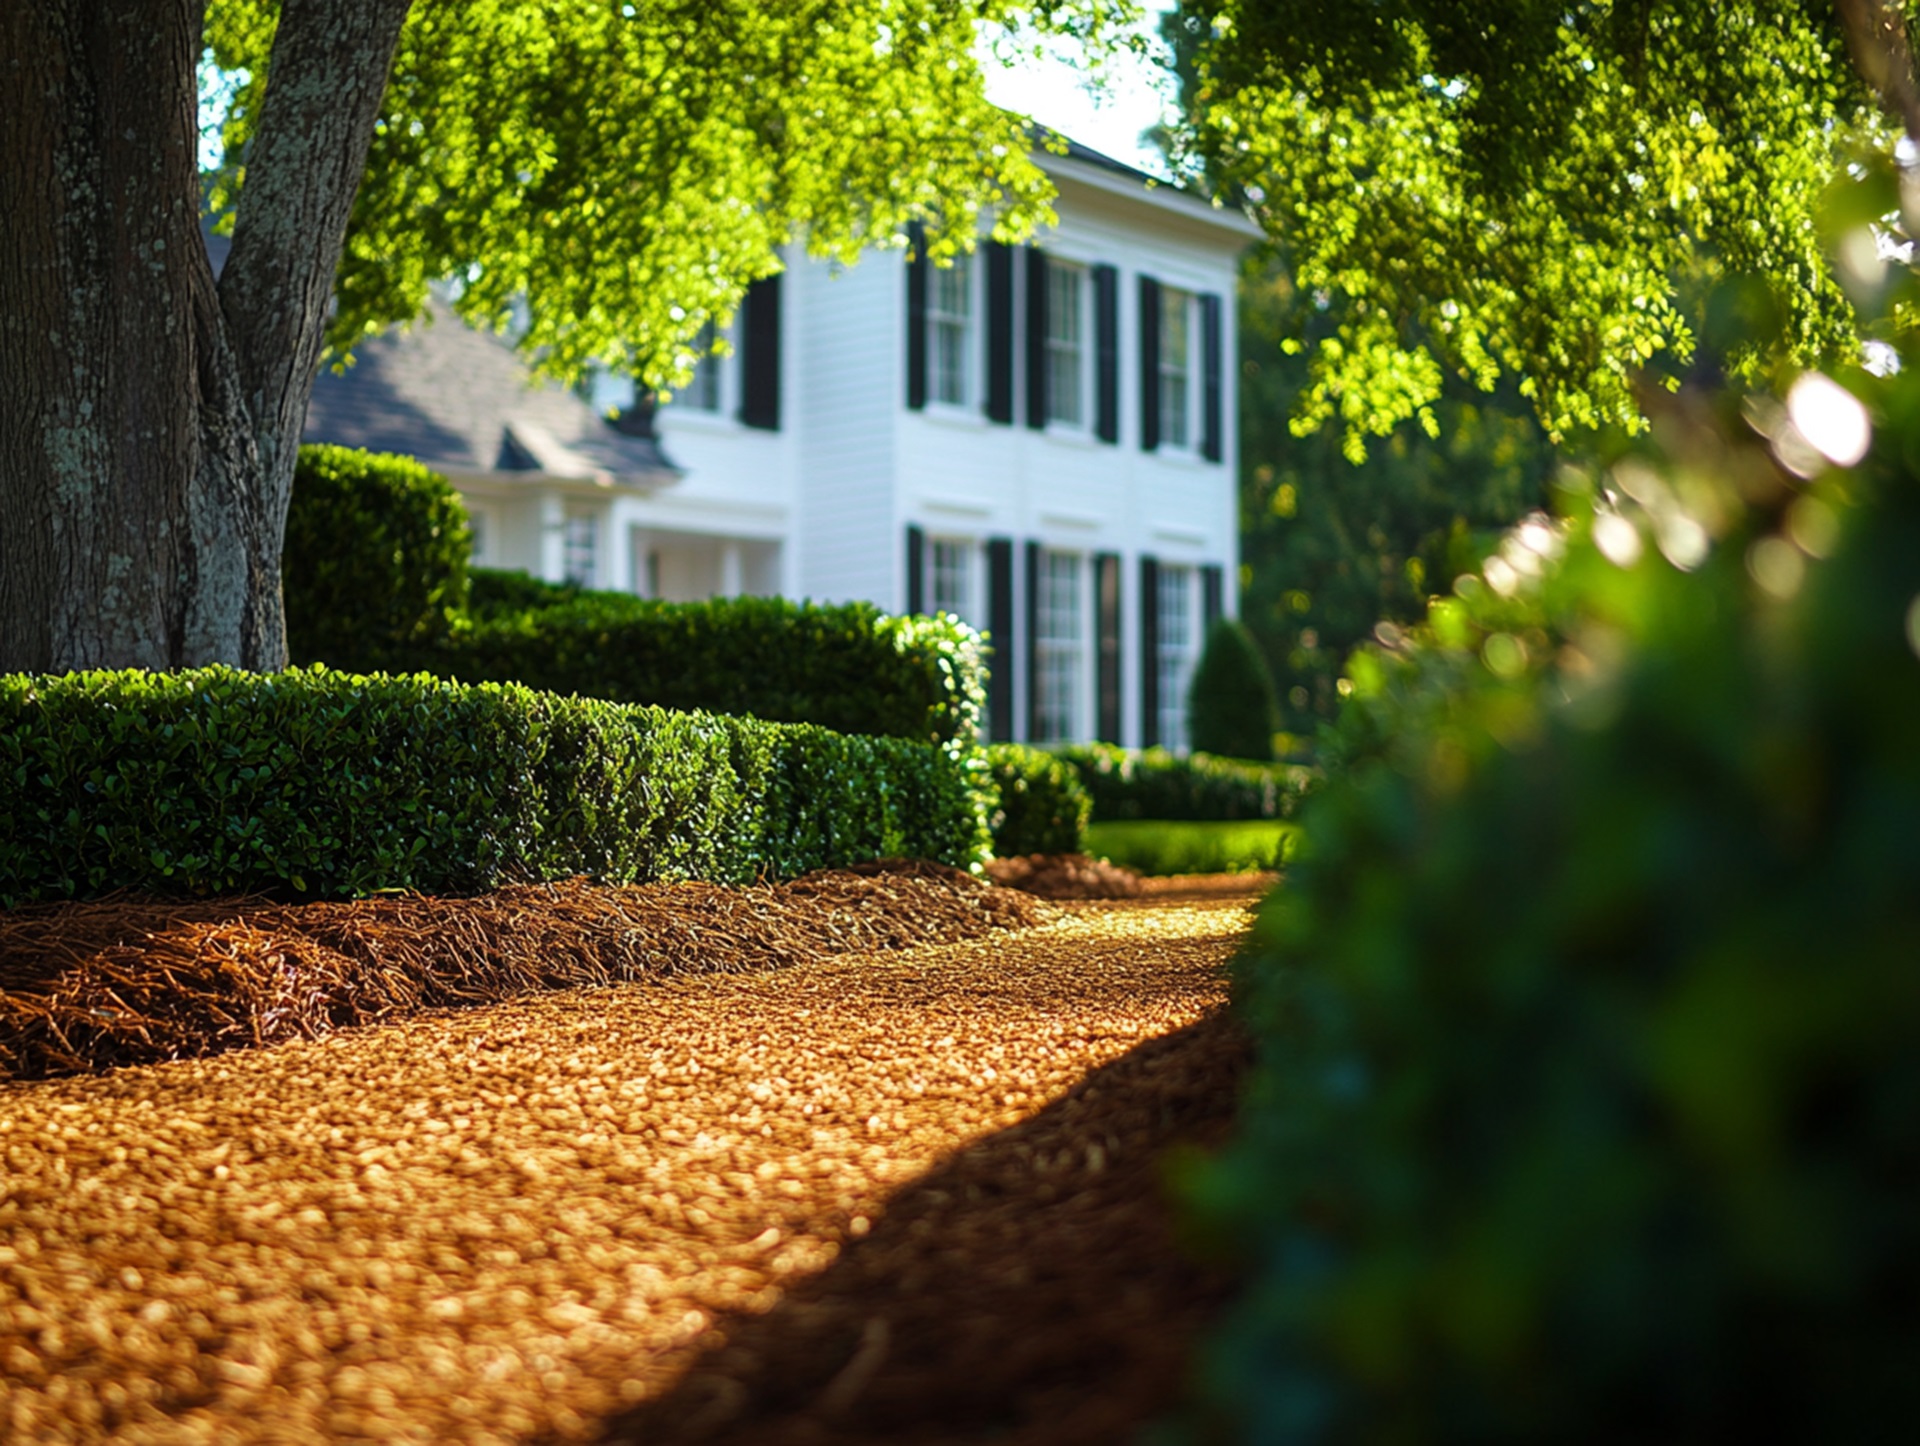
(1546, 194)
(627, 167)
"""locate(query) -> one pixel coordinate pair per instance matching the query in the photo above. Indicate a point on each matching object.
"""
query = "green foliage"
(1043, 808)
(376, 557)
(1230, 703)
(1328, 547)
(1588, 1022)
(335, 785)
(849, 666)
(494, 593)
(1560, 195)
(628, 169)
(1127, 783)
(1164, 846)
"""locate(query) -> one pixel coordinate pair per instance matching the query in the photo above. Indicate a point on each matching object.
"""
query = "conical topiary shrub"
(1230, 705)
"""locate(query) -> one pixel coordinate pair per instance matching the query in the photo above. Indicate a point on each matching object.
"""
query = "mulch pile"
(91, 986)
(1066, 876)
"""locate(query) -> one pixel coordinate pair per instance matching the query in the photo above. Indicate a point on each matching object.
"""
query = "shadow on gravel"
(1029, 1291)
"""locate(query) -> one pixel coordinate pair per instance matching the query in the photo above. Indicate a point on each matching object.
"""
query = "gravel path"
(907, 1197)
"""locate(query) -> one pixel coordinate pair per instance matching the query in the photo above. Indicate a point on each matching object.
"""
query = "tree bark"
(149, 420)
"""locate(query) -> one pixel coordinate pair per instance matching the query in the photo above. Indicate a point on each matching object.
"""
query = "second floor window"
(1066, 343)
(1176, 368)
(703, 392)
(949, 317)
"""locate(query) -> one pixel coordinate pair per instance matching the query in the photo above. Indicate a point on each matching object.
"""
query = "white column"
(732, 569)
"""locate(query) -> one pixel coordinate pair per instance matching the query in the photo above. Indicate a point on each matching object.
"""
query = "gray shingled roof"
(462, 401)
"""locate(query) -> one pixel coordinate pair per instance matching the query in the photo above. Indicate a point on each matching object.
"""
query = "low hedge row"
(1198, 788)
(376, 579)
(1043, 807)
(331, 784)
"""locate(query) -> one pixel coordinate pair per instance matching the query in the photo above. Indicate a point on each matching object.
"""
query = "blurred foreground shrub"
(1589, 1017)
(321, 783)
(1043, 808)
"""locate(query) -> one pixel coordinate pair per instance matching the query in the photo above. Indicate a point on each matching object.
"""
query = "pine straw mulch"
(91, 986)
(1076, 876)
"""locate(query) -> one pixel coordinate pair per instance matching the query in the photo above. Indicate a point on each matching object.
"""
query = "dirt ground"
(909, 1197)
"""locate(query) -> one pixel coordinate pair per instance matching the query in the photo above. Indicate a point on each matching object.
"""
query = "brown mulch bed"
(1076, 876)
(908, 1197)
(91, 986)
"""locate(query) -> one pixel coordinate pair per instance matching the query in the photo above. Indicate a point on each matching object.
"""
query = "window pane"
(1176, 383)
(953, 578)
(582, 544)
(1061, 649)
(949, 314)
(1178, 645)
(1064, 348)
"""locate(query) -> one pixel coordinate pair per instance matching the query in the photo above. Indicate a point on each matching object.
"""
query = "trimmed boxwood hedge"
(321, 783)
(1128, 784)
(1043, 808)
(849, 667)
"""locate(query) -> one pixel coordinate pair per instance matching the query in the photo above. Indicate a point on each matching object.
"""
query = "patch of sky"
(217, 89)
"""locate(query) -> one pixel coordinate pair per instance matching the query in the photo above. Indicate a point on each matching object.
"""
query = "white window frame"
(1062, 656)
(950, 559)
(1178, 595)
(1178, 378)
(1065, 278)
(580, 542)
(962, 325)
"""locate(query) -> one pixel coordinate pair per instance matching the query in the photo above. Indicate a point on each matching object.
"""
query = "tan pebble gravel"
(519, 1221)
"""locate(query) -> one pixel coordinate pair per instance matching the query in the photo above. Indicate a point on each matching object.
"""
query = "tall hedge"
(375, 564)
(331, 784)
(1231, 709)
(1589, 1019)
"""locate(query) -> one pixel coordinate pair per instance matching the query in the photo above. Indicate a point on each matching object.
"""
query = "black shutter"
(1212, 442)
(1106, 602)
(1149, 652)
(760, 355)
(916, 316)
(1000, 337)
(916, 569)
(1210, 589)
(1106, 331)
(1000, 624)
(1033, 642)
(1036, 337)
(1149, 364)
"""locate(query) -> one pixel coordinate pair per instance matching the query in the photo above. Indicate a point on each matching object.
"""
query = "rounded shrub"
(1043, 808)
(1588, 1021)
(1230, 704)
(375, 563)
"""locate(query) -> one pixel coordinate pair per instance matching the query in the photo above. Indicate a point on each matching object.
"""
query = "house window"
(953, 577)
(579, 559)
(949, 317)
(478, 528)
(1177, 646)
(703, 392)
(1176, 369)
(1066, 343)
(1060, 651)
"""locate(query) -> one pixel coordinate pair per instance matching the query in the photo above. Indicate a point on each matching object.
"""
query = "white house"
(1038, 439)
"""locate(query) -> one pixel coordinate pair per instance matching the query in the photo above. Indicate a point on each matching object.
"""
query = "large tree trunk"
(149, 421)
